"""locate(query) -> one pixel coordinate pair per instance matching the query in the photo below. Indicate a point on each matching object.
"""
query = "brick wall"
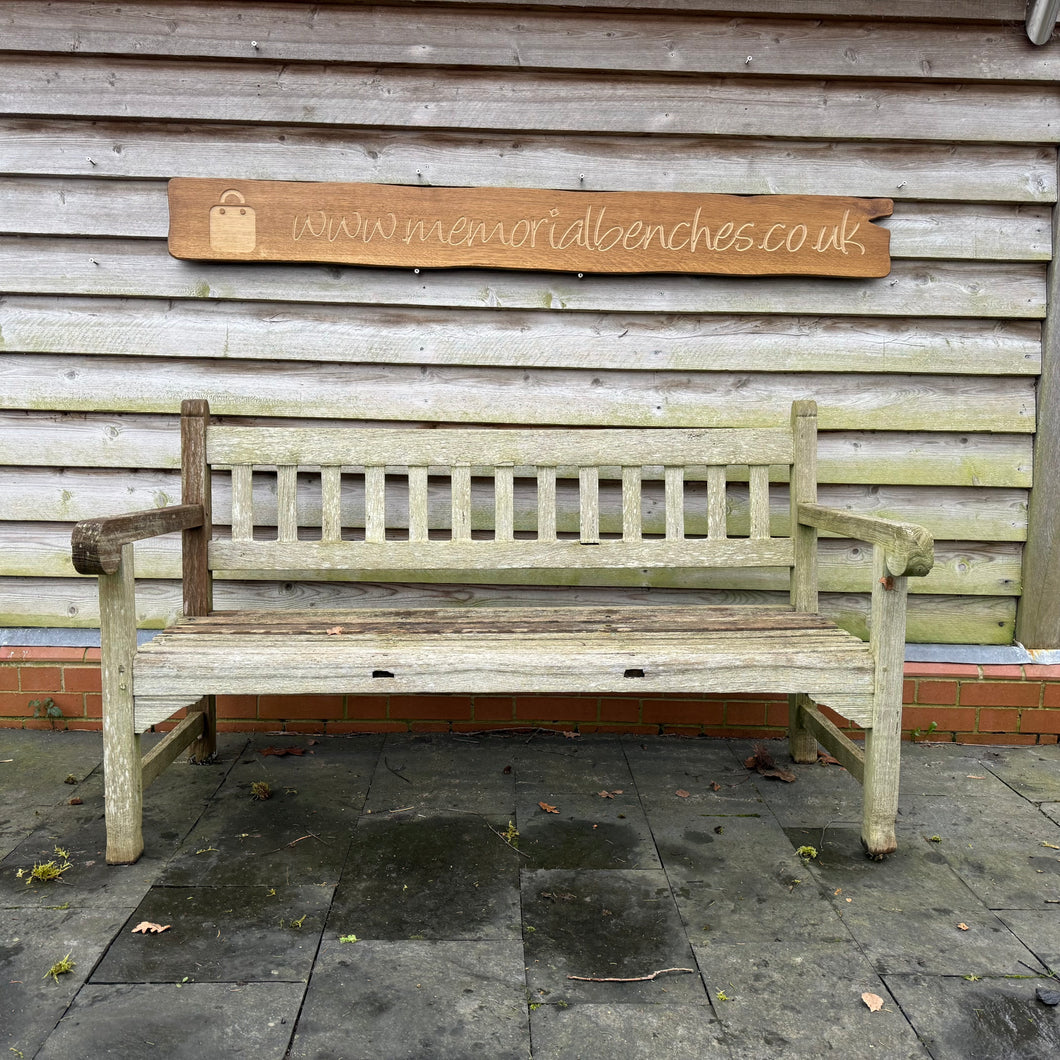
(43, 688)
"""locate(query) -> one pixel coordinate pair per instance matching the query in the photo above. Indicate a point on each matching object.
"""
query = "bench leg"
(801, 741)
(122, 775)
(881, 791)
(205, 747)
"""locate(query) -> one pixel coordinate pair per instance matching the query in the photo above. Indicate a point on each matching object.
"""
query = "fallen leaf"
(973, 776)
(825, 759)
(282, 751)
(963, 927)
(605, 794)
(715, 786)
(547, 808)
(1051, 846)
(145, 927)
(874, 1001)
(838, 890)
(75, 801)
(571, 735)
(682, 794)
(334, 631)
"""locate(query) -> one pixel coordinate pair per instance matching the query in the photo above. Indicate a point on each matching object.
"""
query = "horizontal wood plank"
(135, 150)
(979, 231)
(122, 268)
(518, 338)
(531, 396)
(664, 41)
(42, 550)
(310, 93)
(58, 602)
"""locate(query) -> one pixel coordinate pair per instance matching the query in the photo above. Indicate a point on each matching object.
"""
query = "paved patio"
(662, 855)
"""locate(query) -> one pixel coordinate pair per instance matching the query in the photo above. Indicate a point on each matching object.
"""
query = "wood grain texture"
(197, 90)
(517, 338)
(137, 150)
(665, 41)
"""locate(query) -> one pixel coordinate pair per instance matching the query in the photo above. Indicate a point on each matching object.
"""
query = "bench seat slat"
(319, 446)
(274, 559)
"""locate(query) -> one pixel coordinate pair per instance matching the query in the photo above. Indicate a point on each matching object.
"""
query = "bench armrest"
(909, 549)
(97, 543)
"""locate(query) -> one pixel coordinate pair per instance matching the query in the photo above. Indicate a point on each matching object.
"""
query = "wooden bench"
(391, 481)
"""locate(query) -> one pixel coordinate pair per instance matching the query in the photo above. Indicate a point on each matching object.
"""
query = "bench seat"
(504, 650)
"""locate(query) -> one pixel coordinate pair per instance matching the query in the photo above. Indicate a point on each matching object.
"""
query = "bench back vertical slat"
(460, 480)
(418, 521)
(717, 521)
(632, 527)
(375, 504)
(589, 504)
(287, 502)
(242, 502)
(504, 503)
(196, 489)
(546, 504)
(331, 503)
(758, 482)
(674, 492)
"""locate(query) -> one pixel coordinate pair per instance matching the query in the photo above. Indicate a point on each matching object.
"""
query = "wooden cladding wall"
(926, 379)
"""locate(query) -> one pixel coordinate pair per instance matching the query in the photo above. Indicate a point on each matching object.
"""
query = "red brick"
(1000, 694)
(1051, 694)
(309, 728)
(1041, 721)
(93, 705)
(675, 712)
(429, 726)
(557, 708)
(10, 723)
(93, 655)
(42, 654)
(946, 719)
(924, 669)
(246, 725)
(745, 713)
(836, 719)
(588, 727)
(908, 690)
(81, 679)
(687, 731)
(494, 708)
(83, 725)
(444, 708)
(996, 672)
(8, 678)
(346, 728)
(41, 678)
(367, 707)
(300, 707)
(777, 714)
(237, 706)
(620, 709)
(940, 692)
(992, 719)
(1000, 739)
(1035, 672)
(1048, 738)
(17, 704)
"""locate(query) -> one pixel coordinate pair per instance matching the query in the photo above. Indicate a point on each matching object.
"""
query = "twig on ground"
(631, 979)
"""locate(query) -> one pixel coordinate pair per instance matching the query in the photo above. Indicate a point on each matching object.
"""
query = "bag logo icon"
(232, 226)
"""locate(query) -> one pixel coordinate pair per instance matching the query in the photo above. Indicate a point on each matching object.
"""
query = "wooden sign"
(515, 228)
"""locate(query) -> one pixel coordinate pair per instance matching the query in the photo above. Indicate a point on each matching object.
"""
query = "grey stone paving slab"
(437, 876)
(802, 997)
(662, 766)
(187, 1022)
(632, 1032)
(603, 924)
(947, 769)
(31, 942)
(588, 831)
(472, 774)
(1032, 771)
(414, 1000)
(551, 762)
(1051, 810)
(1039, 930)
(989, 1019)
(34, 767)
(219, 934)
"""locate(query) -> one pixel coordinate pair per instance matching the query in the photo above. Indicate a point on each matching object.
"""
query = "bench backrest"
(318, 501)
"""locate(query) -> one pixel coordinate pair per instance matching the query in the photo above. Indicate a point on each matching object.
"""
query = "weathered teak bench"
(654, 649)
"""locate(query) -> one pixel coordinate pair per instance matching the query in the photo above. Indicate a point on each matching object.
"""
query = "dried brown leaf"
(874, 1001)
(715, 786)
(606, 794)
(146, 927)
(963, 927)
(682, 794)
(547, 808)
(282, 751)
